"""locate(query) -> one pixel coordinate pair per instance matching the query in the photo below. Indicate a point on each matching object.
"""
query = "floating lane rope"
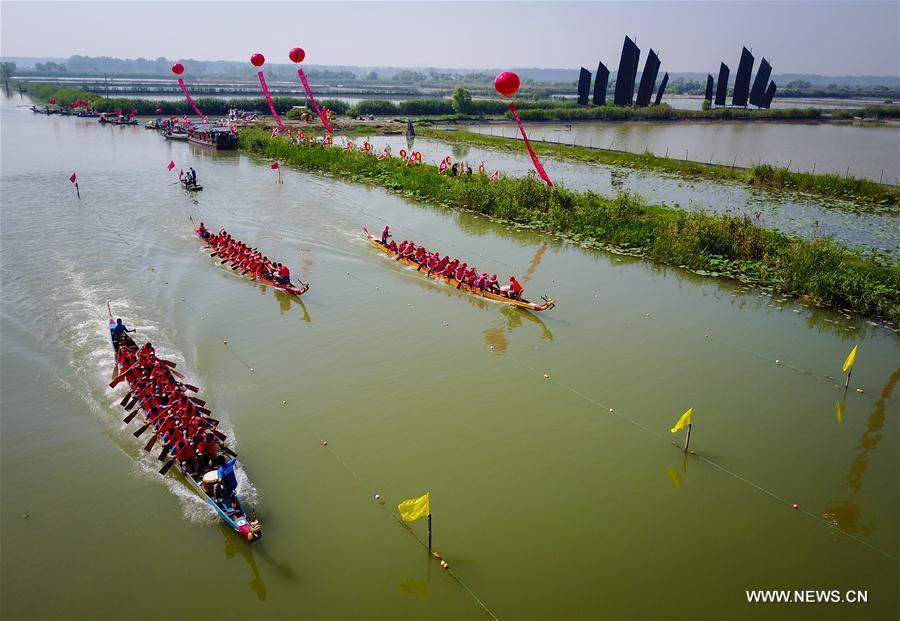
(224, 341)
(367, 488)
(709, 461)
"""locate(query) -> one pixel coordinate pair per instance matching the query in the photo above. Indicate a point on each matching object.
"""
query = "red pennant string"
(534, 160)
(262, 82)
(190, 101)
(313, 100)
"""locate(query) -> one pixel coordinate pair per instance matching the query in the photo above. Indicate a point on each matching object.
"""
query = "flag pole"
(846, 384)
(78, 194)
(687, 439)
(429, 533)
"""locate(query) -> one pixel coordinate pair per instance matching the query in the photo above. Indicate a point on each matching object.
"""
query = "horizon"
(387, 37)
(5, 58)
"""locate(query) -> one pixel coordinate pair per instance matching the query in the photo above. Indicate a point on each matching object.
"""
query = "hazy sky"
(832, 38)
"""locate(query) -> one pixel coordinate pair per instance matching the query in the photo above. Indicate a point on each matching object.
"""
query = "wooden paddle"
(139, 432)
(197, 400)
(162, 455)
(165, 468)
(203, 410)
(121, 375)
(125, 399)
(130, 417)
(131, 405)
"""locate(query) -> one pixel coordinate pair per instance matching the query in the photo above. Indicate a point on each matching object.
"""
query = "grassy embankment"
(762, 175)
(820, 269)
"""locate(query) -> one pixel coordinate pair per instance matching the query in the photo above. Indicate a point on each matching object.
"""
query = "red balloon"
(257, 60)
(507, 83)
(297, 54)
(177, 68)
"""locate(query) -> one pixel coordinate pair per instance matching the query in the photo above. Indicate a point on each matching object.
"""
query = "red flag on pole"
(73, 178)
(171, 165)
(274, 166)
(181, 173)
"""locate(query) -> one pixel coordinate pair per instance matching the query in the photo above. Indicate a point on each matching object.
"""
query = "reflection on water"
(677, 475)
(538, 256)
(460, 151)
(845, 514)
(418, 588)
(235, 545)
(495, 336)
(287, 300)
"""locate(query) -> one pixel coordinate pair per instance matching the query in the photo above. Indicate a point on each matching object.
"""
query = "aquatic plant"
(731, 246)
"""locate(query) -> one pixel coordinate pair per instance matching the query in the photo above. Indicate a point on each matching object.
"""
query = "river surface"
(865, 151)
(557, 491)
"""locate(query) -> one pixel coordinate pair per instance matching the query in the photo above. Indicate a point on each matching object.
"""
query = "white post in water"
(687, 439)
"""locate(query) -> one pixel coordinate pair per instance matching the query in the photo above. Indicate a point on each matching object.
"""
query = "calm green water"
(546, 504)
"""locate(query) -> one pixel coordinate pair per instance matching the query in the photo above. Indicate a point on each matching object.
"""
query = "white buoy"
(284, 403)
(377, 496)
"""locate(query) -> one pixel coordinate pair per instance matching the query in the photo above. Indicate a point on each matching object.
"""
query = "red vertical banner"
(190, 101)
(309, 94)
(507, 83)
(265, 89)
(534, 160)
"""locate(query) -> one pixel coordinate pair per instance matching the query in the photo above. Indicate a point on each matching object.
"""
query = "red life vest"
(284, 272)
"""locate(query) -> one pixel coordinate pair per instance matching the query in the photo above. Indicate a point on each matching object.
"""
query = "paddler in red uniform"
(385, 234)
(284, 275)
(515, 289)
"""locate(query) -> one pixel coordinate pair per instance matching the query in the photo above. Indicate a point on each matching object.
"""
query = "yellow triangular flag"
(684, 421)
(415, 508)
(851, 358)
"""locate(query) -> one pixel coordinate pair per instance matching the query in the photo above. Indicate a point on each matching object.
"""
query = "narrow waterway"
(871, 152)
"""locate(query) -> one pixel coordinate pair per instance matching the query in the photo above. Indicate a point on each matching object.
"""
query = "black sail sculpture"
(600, 82)
(662, 89)
(770, 93)
(624, 93)
(709, 88)
(636, 58)
(722, 84)
(742, 79)
(758, 92)
(584, 86)
(648, 80)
